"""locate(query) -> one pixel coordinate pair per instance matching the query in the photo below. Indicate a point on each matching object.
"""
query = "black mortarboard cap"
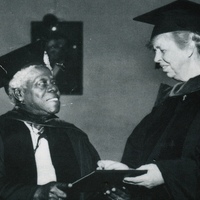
(14, 61)
(180, 15)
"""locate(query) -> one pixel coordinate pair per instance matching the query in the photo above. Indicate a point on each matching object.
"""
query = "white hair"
(20, 79)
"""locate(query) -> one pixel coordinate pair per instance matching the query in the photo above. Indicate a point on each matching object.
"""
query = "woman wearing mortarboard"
(166, 142)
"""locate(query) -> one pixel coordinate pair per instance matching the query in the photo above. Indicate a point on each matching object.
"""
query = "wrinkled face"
(41, 95)
(173, 60)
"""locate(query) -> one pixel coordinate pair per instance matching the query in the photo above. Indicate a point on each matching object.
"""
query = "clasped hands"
(51, 191)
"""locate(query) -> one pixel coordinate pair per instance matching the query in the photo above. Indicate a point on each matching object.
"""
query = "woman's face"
(173, 60)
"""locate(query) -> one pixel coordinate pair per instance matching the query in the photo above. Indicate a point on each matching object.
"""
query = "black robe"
(169, 137)
(73, 156)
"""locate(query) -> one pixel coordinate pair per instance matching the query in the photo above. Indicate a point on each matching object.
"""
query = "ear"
(19, 94)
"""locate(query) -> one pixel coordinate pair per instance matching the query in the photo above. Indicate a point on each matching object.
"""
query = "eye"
(155, 51)
(53, 82)
(41, 84)
(163, 50)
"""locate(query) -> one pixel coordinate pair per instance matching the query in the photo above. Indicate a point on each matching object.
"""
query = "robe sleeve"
(87, 157)
(180, 178)
(10, 190)
(85, 152)
(134, 145)
(182, 175)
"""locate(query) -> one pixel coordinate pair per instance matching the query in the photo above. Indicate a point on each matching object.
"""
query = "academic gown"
(170, 138)
(73, 156)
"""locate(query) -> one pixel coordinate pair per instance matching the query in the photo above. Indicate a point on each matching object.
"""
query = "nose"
(157, 57)
(52, 88)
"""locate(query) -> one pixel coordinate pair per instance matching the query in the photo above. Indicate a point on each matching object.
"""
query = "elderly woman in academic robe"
(166, 142)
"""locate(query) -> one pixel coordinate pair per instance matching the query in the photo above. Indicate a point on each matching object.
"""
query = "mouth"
(164, 67)
(53, 99)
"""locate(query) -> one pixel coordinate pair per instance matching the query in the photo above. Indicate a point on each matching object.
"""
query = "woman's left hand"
(152, 178)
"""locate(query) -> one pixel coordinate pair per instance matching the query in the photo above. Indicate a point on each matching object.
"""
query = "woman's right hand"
(111, 165)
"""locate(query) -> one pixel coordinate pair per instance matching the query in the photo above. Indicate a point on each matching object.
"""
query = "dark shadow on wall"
(64, 47)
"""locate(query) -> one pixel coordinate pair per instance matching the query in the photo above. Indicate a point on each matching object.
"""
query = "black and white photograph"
(100, 100)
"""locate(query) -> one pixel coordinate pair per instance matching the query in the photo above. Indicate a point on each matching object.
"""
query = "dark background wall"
(120, 82)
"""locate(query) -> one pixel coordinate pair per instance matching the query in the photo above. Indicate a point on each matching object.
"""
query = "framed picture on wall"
(64, 47)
